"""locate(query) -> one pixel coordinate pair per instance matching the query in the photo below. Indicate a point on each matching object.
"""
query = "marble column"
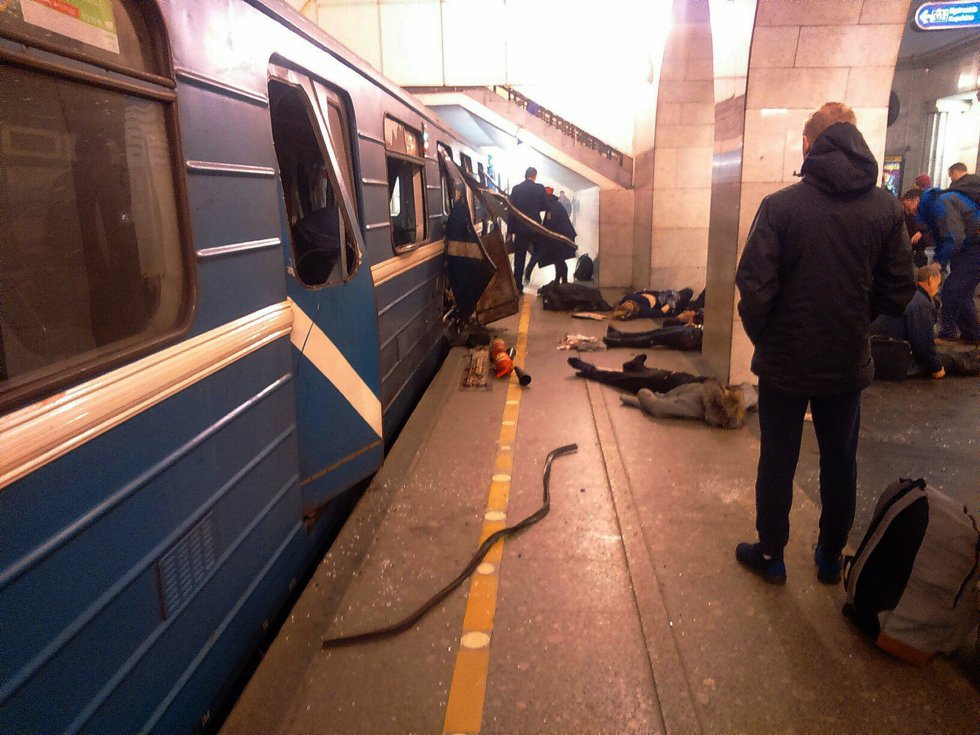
(804, 54)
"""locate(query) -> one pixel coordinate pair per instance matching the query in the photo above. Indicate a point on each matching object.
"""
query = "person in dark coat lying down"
(572, 297)
(653, 304)
(635, 375)
(678, 337)
(708, 401)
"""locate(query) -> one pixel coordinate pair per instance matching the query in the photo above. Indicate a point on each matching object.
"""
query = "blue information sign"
(948, 16)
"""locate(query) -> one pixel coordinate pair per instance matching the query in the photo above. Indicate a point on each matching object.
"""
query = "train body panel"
(161, 495)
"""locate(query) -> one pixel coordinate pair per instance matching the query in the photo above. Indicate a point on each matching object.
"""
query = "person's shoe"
(770, 568)
(828, 567)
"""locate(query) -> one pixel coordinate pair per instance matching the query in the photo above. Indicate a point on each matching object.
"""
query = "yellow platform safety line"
(464, 708)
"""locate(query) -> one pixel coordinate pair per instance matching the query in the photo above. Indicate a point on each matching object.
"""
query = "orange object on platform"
(503, 363)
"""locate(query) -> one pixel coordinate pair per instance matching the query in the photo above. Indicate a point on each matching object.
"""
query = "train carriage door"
(335, 337)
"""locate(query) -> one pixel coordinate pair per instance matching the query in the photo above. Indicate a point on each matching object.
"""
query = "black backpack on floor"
(911, 586)
(584, 269)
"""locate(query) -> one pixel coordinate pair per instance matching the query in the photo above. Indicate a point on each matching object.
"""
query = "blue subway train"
(221, 295)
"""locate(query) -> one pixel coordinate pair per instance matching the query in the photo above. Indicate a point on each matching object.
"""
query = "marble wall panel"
(682, 136)
(682, 207)
(884, 11)
(807, 88)
(677, 278)
(665, 167)
(685, 91)
(697, 113)
(669, 113)
(775, 46)
(808, 12)
(615, 271)
(836, 46)
(693, 167)
(869, 86)
(616, 206)
(678, 247)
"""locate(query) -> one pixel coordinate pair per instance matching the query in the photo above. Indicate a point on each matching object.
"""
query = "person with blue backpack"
(954, 218)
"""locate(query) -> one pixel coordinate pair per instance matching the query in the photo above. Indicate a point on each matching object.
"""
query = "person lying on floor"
(689, 316)
(572, 297)
(914, 329)
(675, 337)
(652, 304)
(708, 401)
(635, 375)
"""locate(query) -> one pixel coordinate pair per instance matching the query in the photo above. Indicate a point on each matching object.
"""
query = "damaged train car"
(224, 272)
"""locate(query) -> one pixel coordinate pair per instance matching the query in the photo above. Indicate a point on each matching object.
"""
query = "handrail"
(543, 113)
(558, 122)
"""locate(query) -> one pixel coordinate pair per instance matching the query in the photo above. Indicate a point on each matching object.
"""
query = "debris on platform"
(581, 342)
(476, 370)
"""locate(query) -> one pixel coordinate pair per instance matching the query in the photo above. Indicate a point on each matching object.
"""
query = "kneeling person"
(916, 326)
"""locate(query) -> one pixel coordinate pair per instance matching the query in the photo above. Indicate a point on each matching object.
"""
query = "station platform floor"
(623, 610)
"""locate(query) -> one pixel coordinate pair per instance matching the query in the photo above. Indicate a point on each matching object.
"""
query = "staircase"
(559, 138)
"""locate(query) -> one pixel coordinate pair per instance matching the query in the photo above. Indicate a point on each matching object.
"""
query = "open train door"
(496, 296)
(335, 332)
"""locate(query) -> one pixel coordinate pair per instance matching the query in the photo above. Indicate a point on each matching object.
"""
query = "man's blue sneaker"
(828, 567)
(770, 568)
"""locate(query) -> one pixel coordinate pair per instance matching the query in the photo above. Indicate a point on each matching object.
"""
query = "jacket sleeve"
(894, 278)
(950, 229)
(757, 276)
(918, 328)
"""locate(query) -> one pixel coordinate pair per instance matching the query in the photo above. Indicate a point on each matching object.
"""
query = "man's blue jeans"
(959, 311)
(836, 420)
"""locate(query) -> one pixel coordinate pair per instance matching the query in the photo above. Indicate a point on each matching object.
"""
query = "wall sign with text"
(949, 15)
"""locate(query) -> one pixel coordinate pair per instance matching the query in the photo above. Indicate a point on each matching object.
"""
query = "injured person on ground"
(675, 337)
(724, 408)
(650, 304)
(670, 394)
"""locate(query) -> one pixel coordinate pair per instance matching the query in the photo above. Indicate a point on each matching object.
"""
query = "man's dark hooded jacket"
(968, 184)
(823, 258)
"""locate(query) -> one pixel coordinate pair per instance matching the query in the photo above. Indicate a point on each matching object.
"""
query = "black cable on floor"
(411, 620)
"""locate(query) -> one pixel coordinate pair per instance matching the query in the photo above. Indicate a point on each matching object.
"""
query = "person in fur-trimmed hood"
(724, 408)
(823, 258)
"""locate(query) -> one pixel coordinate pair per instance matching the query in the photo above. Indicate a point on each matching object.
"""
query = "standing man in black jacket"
(528, 197)
(823, 257)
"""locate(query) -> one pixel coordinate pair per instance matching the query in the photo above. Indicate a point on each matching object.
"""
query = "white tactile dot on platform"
(495, 515)
(475, 640)
(486, 568)
(501, 478)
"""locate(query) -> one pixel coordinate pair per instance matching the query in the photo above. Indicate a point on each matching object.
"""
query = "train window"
(447, 200)
(93, 259)
(337, 128)
(482, 175)
(114, 33)
(467, 163)
(406, 184)
(324, 252)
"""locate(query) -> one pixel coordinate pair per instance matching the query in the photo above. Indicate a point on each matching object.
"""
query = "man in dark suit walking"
(528, 197)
